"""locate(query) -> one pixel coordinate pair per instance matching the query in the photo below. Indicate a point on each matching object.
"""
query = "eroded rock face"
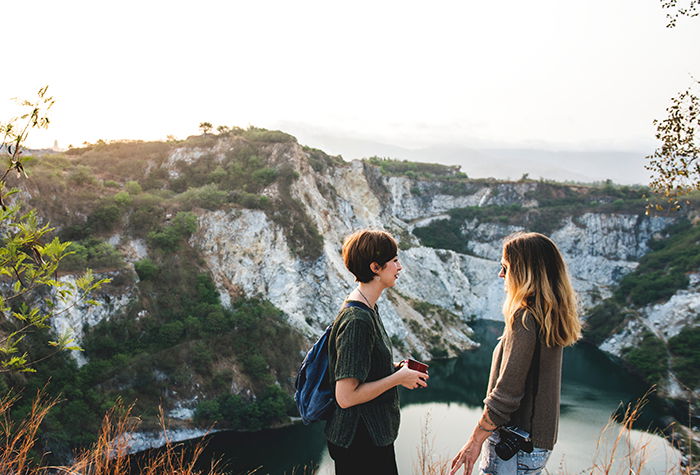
(664, 320)
(71, 317)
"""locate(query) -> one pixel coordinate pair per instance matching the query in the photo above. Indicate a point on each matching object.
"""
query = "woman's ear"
(375, 267)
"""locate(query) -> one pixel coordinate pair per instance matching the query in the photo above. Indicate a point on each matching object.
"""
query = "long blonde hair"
(538, 282)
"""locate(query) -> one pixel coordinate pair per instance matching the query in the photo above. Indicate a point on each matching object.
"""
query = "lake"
(593, 387)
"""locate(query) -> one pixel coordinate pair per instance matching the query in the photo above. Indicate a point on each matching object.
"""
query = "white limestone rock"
(71, 319)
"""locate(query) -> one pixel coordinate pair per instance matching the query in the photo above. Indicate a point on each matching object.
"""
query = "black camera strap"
(536, 369)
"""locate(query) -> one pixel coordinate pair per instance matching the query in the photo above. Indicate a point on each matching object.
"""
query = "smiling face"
(389, 273)
(366, 252)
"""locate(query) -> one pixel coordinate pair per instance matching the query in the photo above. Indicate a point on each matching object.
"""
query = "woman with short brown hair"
(365, 422)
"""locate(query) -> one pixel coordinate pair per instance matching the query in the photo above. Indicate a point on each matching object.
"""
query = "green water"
(592, 389)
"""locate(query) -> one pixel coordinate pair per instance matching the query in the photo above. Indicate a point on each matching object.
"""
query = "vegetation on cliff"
(174, 336)
(660, 274)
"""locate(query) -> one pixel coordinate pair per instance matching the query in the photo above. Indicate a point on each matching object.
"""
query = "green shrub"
(133, 187)
(320, 160)
(168, 238)
(263, 176)
(92, 253)
(145, 218)
(268, 136)
(603, 320)
(218, 174)
(171, 333)
(207, 197)
(648, 358)
(685, 351)
(232, 411)
(122, 198)
(146, 269)
(202, 355)
(104, 218)
(250, 200)
(208, 411)
(82, 175)
(663, 271)
(416, 170)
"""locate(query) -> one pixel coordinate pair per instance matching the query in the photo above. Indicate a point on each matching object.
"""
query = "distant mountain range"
(623, 167)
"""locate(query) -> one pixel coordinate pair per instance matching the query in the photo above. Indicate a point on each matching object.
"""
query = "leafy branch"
(674, 11)
(674, 166)
(28, 266)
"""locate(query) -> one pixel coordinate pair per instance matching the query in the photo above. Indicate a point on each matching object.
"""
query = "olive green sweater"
(516, 394)
(358, 347)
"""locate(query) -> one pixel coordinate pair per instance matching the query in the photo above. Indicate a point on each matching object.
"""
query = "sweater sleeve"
(354, 342)
(518, 349)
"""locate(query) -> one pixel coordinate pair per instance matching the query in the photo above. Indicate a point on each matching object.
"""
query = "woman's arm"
(518, 350)
(505, 397)
(471, 450)
(351, 392)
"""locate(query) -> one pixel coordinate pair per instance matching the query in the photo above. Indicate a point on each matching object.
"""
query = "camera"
(512, 440)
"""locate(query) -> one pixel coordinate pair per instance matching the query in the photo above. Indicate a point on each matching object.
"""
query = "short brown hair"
(363, 247)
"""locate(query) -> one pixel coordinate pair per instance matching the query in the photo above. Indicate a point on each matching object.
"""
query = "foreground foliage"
(30, 292)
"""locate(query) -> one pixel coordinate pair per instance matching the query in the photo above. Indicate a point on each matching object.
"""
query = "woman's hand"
(467, 456)
(411, 379)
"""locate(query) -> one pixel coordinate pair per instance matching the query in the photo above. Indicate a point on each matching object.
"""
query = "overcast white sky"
(547, 74)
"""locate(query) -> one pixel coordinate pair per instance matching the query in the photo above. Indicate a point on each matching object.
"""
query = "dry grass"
(19, 437)
(108, 456)
(629, 454)
(626, 454)
(427, 463)
(618, 450)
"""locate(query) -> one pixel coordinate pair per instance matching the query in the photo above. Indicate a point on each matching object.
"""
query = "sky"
(551, 75)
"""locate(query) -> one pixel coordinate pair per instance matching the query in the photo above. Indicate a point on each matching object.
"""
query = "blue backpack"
(313, 390)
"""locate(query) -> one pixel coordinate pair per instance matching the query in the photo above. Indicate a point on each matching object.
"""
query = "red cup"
(417, 366)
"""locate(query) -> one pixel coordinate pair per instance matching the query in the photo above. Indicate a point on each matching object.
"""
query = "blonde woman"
(525, 380)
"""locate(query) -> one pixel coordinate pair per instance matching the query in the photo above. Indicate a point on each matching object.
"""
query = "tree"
(223, 129)
(674, 165)
(30, 292)
(205, 127)
(674, 10)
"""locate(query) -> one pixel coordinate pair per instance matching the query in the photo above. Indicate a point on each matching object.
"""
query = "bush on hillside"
(256, 134)
(92, 253)
(146, 269)
(104, 218)
(169, 237)
(685, 348)
(208, 197)
(648, 358)
(416, 170)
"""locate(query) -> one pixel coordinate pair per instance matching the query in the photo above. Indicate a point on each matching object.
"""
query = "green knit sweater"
(358, 347)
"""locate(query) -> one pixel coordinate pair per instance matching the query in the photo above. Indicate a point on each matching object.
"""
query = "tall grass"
(618, 450)
(108, 456)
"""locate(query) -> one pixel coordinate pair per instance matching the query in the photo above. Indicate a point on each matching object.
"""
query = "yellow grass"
(626, 455)
(109, 454)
